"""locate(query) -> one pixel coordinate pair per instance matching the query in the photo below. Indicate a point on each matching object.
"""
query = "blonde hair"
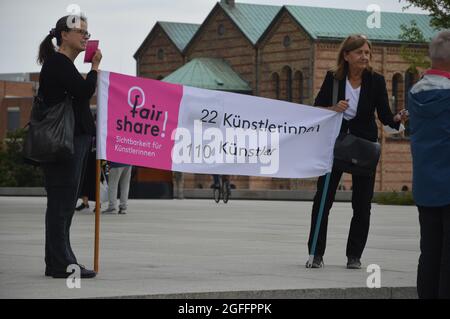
(351, 43)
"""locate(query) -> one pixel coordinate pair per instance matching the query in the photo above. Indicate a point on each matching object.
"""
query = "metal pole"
(319, 220)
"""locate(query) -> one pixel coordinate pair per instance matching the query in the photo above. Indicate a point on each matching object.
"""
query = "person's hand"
(340, 107)
(403, 116)
(96, 59)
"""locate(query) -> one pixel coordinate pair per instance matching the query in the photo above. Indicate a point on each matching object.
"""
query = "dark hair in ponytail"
(46, 48)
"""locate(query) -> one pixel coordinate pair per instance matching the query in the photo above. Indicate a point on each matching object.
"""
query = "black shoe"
(353, 263)
(84, 273)
(317, 262)
(81, 207)
(57, 274)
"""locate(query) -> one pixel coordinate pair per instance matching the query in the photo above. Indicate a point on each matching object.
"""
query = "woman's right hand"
(96, 59)
(340, 107)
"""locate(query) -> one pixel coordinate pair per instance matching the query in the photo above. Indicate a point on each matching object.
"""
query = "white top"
(352, 95)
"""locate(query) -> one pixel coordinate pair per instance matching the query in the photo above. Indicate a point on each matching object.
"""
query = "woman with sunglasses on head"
(360, 93)
(58, 78)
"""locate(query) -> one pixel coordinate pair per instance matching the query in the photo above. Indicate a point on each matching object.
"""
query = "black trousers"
(433, 274)
(87, 186)
(361, 203)
(62, 182)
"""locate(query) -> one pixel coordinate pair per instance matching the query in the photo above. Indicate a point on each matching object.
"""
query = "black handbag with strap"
(353, 154)
(50, 132)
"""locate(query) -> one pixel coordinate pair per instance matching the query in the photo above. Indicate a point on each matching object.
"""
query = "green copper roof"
(207, 73)
(179, 33)
(339, 23)
(320, 23)
(252, 19)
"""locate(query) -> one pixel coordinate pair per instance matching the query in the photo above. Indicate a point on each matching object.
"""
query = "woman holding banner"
(360, 92)
(59, 78)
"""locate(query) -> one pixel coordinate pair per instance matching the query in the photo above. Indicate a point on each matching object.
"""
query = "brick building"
(283, 52)
(16, 98)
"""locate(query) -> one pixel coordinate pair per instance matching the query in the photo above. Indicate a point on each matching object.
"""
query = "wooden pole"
(97, 215)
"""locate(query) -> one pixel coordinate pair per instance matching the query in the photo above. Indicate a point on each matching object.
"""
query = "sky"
(120, 26)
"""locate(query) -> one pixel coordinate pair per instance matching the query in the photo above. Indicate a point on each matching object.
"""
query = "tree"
(440, 19)
(416, 60)
(439, 11)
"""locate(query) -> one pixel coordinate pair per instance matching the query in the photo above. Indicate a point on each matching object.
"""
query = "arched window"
(397, 93)
(287, 79)
(410, 79)
(299, 87)
(276, 85)
(409, 82)
(160, 54)
(221, 30)
(286, 41)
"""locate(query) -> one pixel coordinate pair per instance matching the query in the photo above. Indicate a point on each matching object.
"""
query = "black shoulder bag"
(50, 131)
(353, 154)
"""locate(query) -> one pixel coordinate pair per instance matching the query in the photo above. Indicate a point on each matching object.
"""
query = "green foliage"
(14, 172)
(439, 11)
(394, 198)
(440, 19)
(416, 60)
(412, 33)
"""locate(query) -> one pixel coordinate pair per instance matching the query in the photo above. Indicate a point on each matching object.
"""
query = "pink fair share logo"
(142, 113)
(135, 94)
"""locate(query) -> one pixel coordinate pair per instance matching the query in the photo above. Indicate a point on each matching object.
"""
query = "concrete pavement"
(199, 249)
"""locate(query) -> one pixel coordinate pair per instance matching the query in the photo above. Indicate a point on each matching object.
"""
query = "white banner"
(154, 124)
